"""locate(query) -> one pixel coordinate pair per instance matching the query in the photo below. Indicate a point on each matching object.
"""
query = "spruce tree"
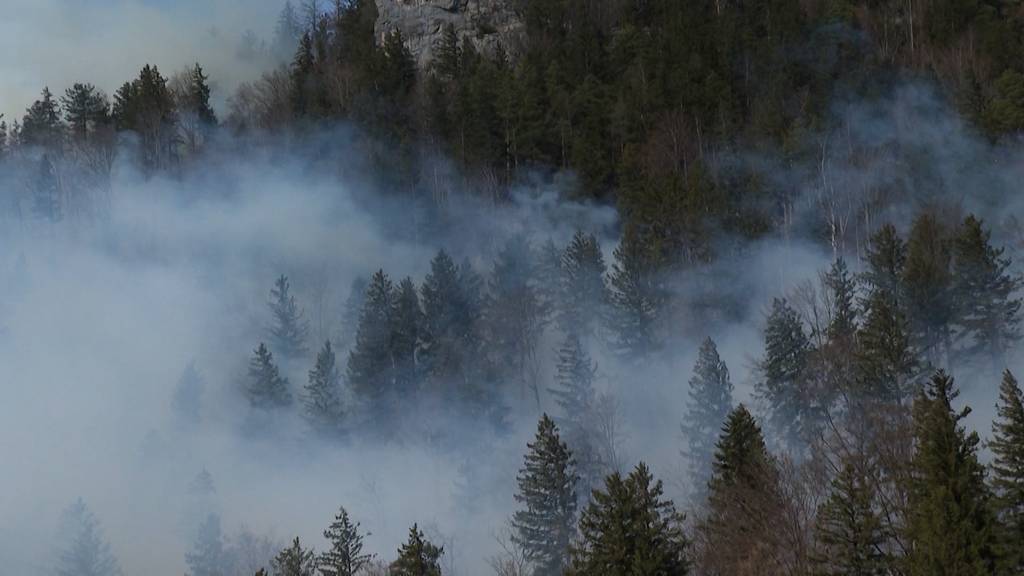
(636, 300)
(294, 561)
(629, 529)
(370, 372)
(885, 364)
(353, 308)
(322, 401)
(344, 557)
(574, 393)
(208, 556)
(546, 526)
(266, 388)
(41, 125)
(985, 293)
(302, 79)
(447, 322)
(948, 528)
(1007, 477)
(886, 259)
(417, 557)
(85, 108)
(795, 411)
(407, 322)
(848, 529)
(583, 295)
(927, 281)
(710, 403)
(83, 552)
(842, 325)
(289, 328)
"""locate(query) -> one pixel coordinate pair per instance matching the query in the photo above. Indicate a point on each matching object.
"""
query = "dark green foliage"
(350, 313)
(197, 97)
(146, 106)
(344, 557)
(636, 297)
(574, 393)
(949, 529)
(83, 550)
(371, 373)
(289, 328)
(795, 410)
(41, 126)
(546, 526)
(208, 556)
(583, 297)
(628, 528)
(927, 282)
(417, 557)
(322, 400)
(1007, 477)
(710, 402)
(294, 561)
(849, 529)
(266, 388)
(85, 110)
(842, 325)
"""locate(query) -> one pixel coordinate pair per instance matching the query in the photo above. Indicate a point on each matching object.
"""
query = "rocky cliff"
(487, 23)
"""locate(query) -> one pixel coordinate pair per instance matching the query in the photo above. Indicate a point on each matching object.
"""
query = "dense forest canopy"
(604, 287)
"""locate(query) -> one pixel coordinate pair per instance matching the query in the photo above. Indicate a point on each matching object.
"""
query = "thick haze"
(98, 318)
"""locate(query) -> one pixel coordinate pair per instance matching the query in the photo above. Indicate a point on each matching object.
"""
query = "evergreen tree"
(628, 528)
(146, 106)
(371, 373)
(188, 395)
(295, 561)
(635, 297)
(849, 530)
(417, 557)
(46, 197)
(842, 325)
(927, 282)
(287, 31)
(583, 296)
(886, 260)
(41, 125)
(885, 363)
(323, 403)
(795, 412)
(208, 556)
(350, 313)
(345, 555)
(546, 483)
(303, 79)
(985, 292)
(710, 404)
(948, 528)
(85, 108)
(289, 328)
(4, 140)
(574, 394)
(407, 320)
(450, 318)
(197, 97)
(1008, 472)
(84, 552)
(266, 388)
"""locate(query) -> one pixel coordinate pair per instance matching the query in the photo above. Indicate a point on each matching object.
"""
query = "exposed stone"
(488, 23)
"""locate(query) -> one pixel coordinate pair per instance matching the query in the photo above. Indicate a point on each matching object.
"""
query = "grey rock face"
(487, 23)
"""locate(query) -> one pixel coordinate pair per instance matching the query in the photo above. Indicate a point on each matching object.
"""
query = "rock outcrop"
(487, 23)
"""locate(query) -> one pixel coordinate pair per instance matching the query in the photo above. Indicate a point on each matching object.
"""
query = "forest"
(651, 288)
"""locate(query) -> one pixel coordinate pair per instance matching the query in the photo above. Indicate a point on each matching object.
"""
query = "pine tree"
(710, 404)
(795, 411)
(295, 561)
(447, 321)
(583, 296)
(266, 388)
(886, 260)
(927, 282)
(303, 79)
(188, 395)
(208, 556)
(353, 307)
(407, 321)
(84, 552)
(1007, 477)
(345, 556)
(948, 524)
(635, 298)
(985, 292)
(290, 328)
(849, 530)
(146, 106)
(842, 325)
(85, 108)
(574, 394)
(41, 125)
(370, 372)
(885, 363)
(628, 529)
(546, 483)
(323, 403)
(417, 557)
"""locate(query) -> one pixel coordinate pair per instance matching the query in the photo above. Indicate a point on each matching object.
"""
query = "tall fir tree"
(927, 281)
(1007, 473)
(848, 529)
(289, 328)
(294, 561)
(351, 310)
(345, 556)
(842, 326)
(323, 405)
(795, 410)
(574, 393)
(370, 372)
(407, 323)
(583, 296)
(42, 126)
(636, 299)
(545, 526)
(266, 388)
(948, 528)
(85, 108)
(83, 551)
(417, 557)
(629, 528)
(710, 402)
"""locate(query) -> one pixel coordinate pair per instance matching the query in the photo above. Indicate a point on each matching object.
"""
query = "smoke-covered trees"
(948, 526)
(849, 531)
(1007, 473)
(83, 550)
(146, 107)
(710, 402)
(85, 110)
(266, 388)
(574, 393)
(417, 557)
(583, 297)
(371, 372)
(546, 525)
(289, 328)
(407, 322)
(208, 556)
(628, 528)
(450, 316)
(188, 395)
(927, 282)
(295, 561)
(41, 126)
(793, 409)
(344, 556)
(636, 298)
(322, 401)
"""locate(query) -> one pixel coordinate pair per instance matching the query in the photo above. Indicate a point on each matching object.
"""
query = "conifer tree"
(4, 145)
(1007, 476)
(345, 555)
(323, 403)
(546, 526)
(948, 525)
(927, 282)
(448, 322)
(795, 411)
(635, 297)
(886, 259)
(295, 561)
(266, 388)
(985, 292)
(287, 31)
(709, 405)
(885, 363)
(146, 106)
(407, 321)
(46, 197)
(303, 79)
(370, 372)
(208, 556)
(583, 295)
(574, 393)
(848, 529)
(353, 308)
(628, 528)
(842, 325)
(417, 557)
(83, 552)
(188, 394)
(85, 108)
(289, 328)
(41, 125)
